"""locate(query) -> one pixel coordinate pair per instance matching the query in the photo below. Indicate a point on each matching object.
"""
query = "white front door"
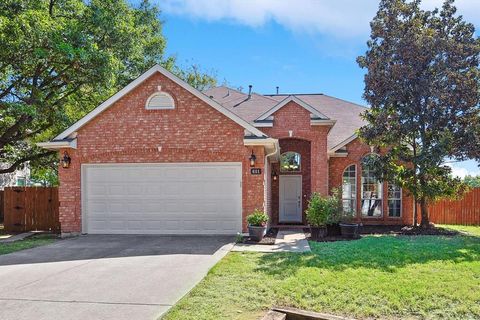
(290, 199)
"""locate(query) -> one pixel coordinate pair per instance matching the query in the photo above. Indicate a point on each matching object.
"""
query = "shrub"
(257, 218)
(323, 210)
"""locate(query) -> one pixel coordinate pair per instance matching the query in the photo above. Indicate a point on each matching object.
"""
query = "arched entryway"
(291, 190)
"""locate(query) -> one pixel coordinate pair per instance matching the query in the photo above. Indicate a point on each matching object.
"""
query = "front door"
(290, 199)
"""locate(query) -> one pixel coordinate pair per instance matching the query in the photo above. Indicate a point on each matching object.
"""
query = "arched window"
(349, 189)
(160, 101)
(394, 201)
(290, 162)
(371, 191)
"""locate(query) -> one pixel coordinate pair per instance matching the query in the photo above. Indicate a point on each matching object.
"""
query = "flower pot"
(333, 230)
(349, 230)
(318, 233)
(256, 233)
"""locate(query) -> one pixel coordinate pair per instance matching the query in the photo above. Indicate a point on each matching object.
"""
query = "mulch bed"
(395, 230)
(269, 238)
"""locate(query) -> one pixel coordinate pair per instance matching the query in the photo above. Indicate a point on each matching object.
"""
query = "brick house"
(160, 157)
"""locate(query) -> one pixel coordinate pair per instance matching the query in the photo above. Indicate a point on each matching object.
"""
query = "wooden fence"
(1, 205)
(465, 211)
(31, 208)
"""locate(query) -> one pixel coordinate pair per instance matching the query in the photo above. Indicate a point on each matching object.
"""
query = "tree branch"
(15, 165)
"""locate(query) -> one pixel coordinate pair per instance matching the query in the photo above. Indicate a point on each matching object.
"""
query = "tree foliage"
(422, 84)
(61, 58)
(472, 181)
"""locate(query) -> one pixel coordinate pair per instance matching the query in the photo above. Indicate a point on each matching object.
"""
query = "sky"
(302, 46)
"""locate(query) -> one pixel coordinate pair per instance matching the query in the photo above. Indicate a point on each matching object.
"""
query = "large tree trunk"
(425, 223)
(415, 212)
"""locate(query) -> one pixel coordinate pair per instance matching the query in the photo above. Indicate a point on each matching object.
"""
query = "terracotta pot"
(256, 233)
(349, 230)
(318, 232)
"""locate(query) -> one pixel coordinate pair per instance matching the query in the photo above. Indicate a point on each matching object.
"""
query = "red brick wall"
(356, 151)
(302, 147)
(128, 133)
(295, 118)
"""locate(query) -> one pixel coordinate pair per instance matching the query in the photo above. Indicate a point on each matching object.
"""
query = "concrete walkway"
(286, 241)
(105, 276)
(17, 237)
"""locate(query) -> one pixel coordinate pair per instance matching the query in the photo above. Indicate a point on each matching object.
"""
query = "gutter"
(58, 144)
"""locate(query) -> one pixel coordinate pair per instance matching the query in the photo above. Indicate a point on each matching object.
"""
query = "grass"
(27, 243)
(387, 277)
(472, 230)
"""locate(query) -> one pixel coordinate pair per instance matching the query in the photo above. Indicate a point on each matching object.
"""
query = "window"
(21, 181)
(349, 189)
(371, 193)
(290, 162)
(160, 101)
(394, 201)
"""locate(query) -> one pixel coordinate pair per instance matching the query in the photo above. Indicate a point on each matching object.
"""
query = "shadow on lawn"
(386, 253)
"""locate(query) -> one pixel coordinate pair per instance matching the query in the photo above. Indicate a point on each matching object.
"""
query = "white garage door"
(193, 198)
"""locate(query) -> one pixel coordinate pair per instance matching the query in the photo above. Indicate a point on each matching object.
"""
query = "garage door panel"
(199, 198)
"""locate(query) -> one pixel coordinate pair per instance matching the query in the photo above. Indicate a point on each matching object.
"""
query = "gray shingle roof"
(347, 114)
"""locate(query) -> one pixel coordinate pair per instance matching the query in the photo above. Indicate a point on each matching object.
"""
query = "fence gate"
(31, 208)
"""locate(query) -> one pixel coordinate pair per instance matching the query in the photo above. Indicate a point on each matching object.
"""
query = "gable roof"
(132, 85)
(284, 102)
(346, 114)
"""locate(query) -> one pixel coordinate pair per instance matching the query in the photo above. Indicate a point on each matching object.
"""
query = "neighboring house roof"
(346, 114)
(60, 140)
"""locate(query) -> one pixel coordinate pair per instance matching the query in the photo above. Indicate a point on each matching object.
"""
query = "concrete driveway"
(105, 276)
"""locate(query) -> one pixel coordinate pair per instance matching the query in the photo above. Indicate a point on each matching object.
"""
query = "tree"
(61, 58)
(472, 181)
(422, 84)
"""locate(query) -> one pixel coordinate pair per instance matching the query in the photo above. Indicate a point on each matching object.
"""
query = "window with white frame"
(371, 193)
(394, 201)
(349, 189)
(160, 101)
(290, 162)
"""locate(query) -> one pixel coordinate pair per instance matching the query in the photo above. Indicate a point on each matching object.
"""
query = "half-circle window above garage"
(160, 101)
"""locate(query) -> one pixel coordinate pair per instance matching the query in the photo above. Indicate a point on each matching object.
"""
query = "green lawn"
(28, 243)
(473, 230)
(387, 277)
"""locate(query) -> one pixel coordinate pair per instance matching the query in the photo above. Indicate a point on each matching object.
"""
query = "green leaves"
(62, 58)
(423, 85)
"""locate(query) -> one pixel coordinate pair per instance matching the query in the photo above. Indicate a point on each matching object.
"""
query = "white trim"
(280, 197)
(157, 68)
(271, 145)
(263, 124)
(401, 203)
(288, 99)
(337, 155)
(344, 142)
(160, 108)
(322, 122)
(355, 200)
(54, 145)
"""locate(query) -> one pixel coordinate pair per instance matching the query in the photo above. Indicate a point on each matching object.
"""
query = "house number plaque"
(256, 171)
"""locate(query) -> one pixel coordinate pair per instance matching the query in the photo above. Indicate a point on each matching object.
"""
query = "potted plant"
(349, 228)
(333, 223)
(257, 225)
(319, 211)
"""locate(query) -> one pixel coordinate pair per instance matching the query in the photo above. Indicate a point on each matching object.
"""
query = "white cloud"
(461, 172)
(340, 18)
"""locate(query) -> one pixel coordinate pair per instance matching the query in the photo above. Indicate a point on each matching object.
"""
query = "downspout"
(276, 148)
